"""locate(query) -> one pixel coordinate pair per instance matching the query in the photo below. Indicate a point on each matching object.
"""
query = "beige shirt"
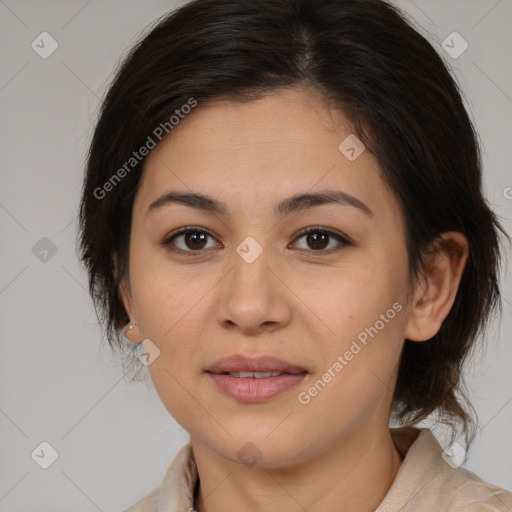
(425, 482)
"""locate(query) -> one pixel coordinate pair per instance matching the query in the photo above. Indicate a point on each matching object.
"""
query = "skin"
(294, 302)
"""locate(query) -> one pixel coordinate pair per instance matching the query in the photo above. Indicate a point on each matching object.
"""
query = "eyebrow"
(296, 203)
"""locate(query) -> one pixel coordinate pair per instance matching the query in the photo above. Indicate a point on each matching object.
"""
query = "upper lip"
(240, 363)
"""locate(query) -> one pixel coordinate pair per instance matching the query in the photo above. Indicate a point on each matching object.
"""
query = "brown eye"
(188, 240)
(318, 239)
(195, 240)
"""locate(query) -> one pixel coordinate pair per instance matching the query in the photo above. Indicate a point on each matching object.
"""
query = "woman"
(283, 213)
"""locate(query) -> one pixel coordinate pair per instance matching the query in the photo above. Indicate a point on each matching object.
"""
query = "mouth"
(254, 380)
(258, 367)
(255, 375)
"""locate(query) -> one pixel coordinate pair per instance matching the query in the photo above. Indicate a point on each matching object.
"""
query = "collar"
(425, 481)
(181, 478)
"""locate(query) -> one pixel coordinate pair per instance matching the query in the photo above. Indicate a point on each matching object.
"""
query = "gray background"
(58, 382)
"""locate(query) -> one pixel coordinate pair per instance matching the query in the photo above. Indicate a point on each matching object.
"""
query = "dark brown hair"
(367, 59)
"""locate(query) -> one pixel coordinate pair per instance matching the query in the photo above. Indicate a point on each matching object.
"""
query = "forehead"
(250, 154)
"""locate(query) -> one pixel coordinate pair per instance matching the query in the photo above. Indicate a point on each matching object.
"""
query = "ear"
(435, 294)
(125, 295)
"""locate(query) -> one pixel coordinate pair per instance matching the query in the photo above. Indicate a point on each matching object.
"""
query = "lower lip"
(255, 390)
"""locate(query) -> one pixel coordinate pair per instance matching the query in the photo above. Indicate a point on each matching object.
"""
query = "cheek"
(365, 312)
(177, 394)
(355, 298)
(170, 299)
(357, 374)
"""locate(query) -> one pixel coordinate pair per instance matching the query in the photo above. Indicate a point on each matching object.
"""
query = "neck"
(354, 474)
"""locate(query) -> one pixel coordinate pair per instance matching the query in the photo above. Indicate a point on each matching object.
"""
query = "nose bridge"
(252, 297)
(251, 273)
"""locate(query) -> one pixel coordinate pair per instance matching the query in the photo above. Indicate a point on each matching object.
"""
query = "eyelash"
(167, 243)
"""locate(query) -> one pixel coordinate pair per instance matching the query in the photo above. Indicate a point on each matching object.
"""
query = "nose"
(254, 298)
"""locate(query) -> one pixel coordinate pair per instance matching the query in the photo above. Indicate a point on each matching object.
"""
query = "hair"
(366, 59)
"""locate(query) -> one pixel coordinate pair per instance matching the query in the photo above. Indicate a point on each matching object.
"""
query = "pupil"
(196, 238)
(313, 237)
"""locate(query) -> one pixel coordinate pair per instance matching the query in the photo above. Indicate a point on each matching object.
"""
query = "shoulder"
(464, 491)
(428, 480)
(177, 487)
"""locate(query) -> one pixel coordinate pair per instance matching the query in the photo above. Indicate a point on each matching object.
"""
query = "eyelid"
(314, 229)
(167, 242)
(341, 238)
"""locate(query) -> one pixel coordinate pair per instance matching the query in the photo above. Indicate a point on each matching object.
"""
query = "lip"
(240, 363)
(254, 390)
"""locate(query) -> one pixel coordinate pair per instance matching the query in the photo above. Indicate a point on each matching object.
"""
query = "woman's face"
(250, 283)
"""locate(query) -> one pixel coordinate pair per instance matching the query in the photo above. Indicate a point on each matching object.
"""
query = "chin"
(262, 451)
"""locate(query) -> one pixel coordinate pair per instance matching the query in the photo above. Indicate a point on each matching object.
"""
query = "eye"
(192, 240)
(318, 239)
(188, 240)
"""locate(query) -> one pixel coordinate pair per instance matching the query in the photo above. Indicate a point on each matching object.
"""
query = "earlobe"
(131, 331)
(438, 286)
